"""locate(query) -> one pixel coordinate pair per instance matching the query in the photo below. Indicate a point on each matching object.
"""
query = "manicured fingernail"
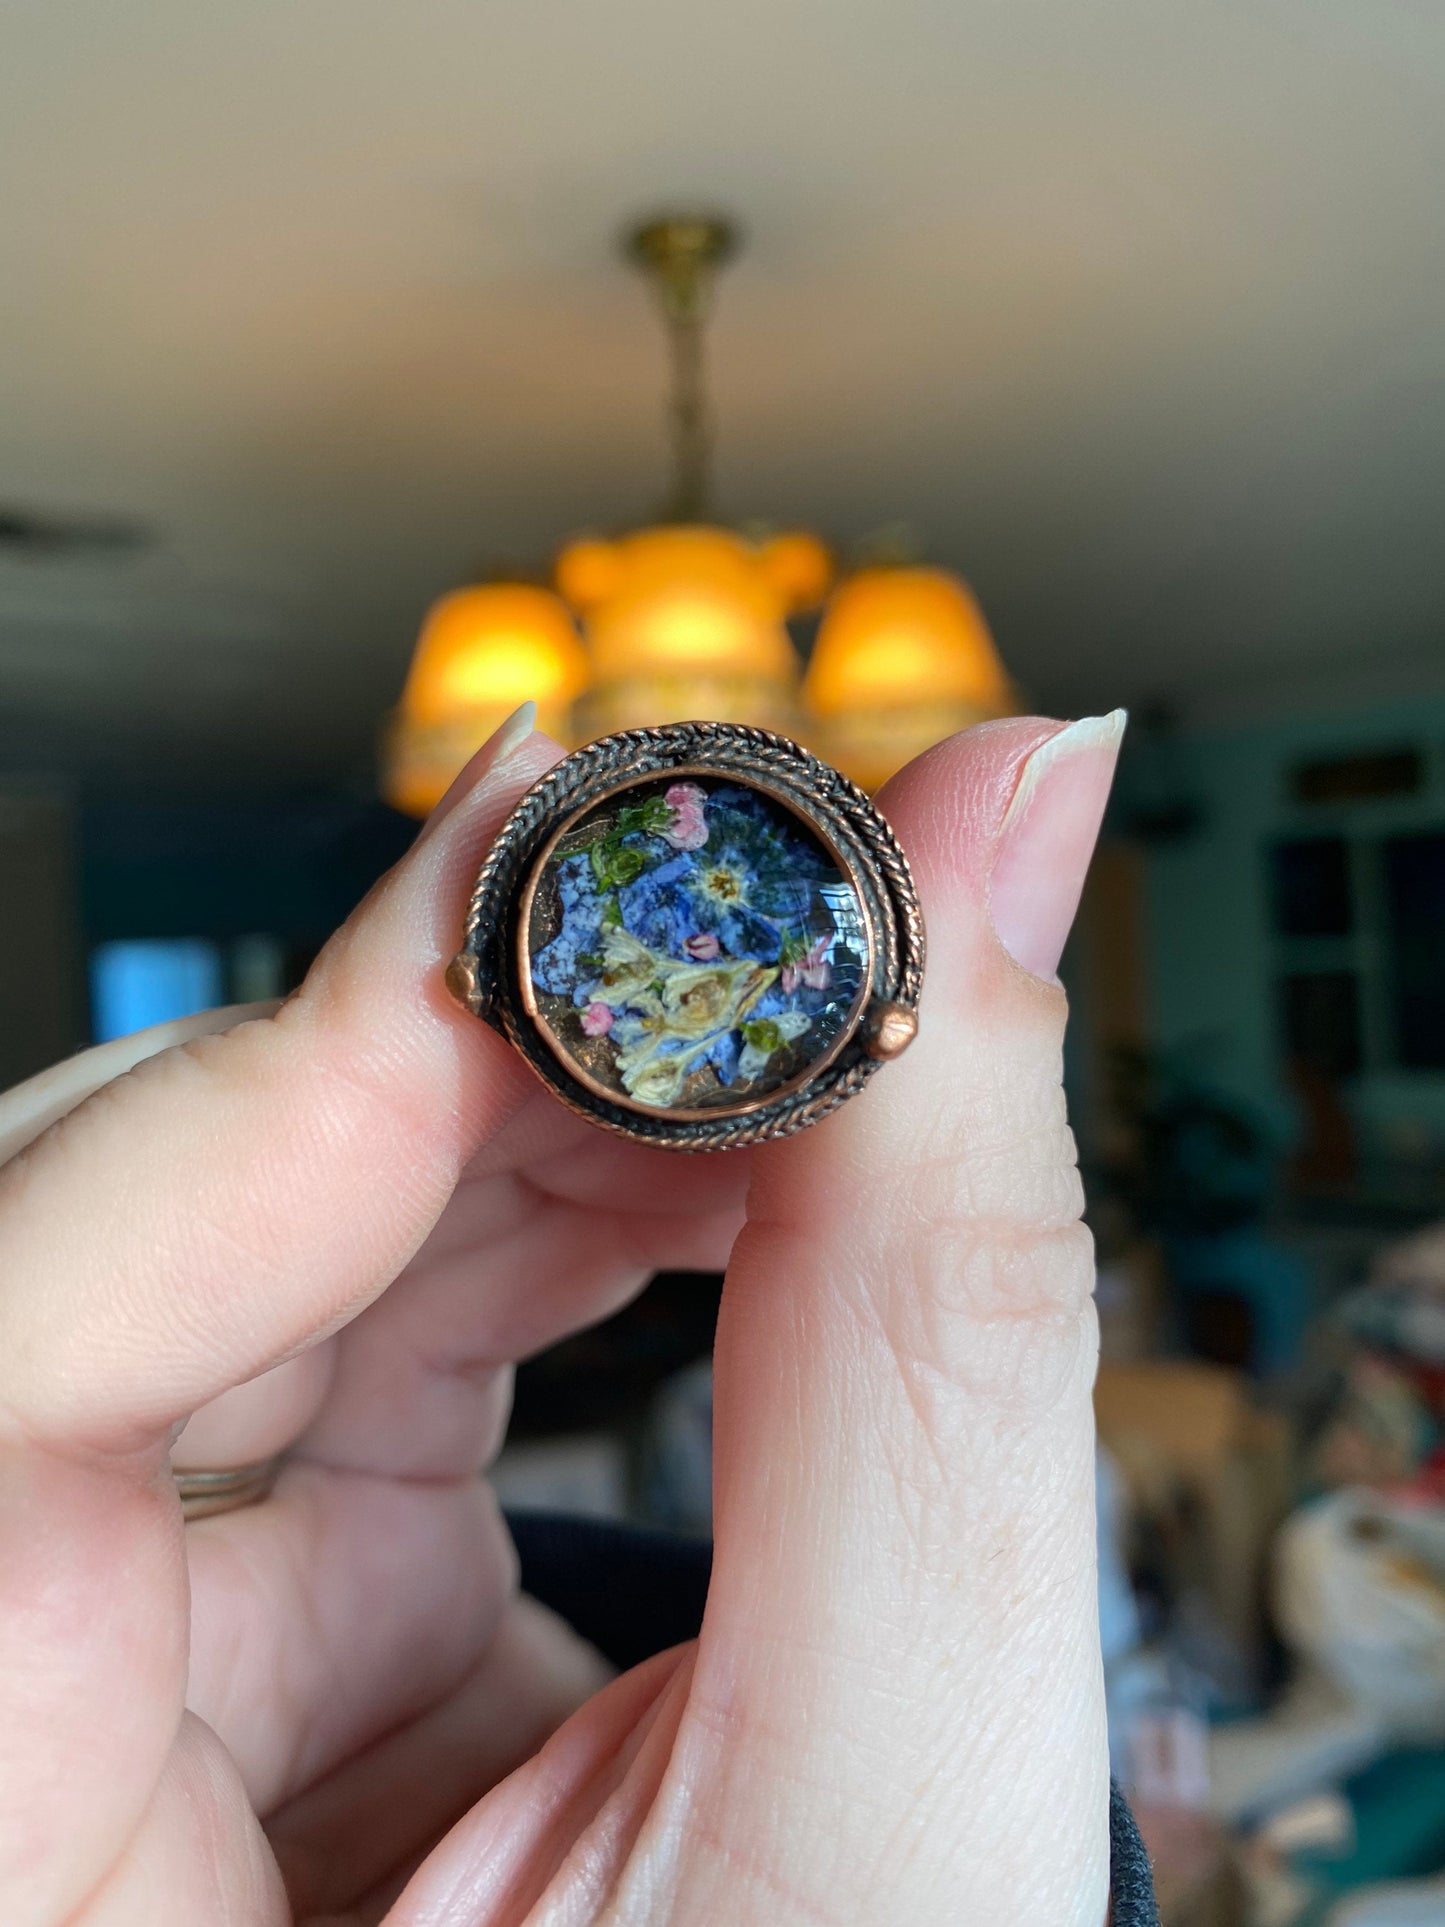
(513, 732)
(504, 739)
(1047, 838)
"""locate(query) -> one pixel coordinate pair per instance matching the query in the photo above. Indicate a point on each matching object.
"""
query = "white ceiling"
(1132, 307)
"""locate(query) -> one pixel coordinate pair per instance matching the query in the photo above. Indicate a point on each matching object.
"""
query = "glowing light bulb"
(903, 658)
(482, 652)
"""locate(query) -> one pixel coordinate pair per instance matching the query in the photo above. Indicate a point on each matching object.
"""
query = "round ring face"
(689, 946)
(697, 935)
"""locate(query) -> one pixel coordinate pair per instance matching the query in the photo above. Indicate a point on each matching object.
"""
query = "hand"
(334, 1226)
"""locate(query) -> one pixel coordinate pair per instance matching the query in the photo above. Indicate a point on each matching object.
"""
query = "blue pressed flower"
(655, 906)
(724, 1057)
(751, 887)
(570, 960)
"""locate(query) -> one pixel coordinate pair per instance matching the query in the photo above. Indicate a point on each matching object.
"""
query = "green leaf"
(612, 914)
(586, 961)
(614, 863)
(651, 817)
(763, 1034)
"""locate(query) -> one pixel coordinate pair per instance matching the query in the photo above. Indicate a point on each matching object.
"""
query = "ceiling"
(1132, 308)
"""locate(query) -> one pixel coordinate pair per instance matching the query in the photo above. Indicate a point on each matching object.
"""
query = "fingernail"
(1047, 838)
(504, 739)
(513, 732)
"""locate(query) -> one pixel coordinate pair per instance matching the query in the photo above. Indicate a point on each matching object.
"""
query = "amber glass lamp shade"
(482, 651)
(686, 623)
(903, 658)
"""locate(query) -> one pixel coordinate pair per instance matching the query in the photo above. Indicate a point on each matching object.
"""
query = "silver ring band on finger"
(205, 1494)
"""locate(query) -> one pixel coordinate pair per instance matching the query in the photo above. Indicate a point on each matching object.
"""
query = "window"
(146, 981)
(1310, 887)
(1358, 920)
(1359, 779)
(1414, 875)
(140, 981)
(1320, 1017)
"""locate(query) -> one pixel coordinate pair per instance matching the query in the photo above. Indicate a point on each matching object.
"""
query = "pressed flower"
(752, 887)
(597, 1019)
(559, 967)
(765, 1037)
(698, 998)
(692, 1020)
(687, 826)
(657, 1081)
(628, 967)
(702, 948)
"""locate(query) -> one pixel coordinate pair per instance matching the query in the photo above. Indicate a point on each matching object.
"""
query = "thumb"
(902, 1630)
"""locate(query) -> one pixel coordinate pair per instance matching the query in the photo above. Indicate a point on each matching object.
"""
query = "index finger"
(224, 1203)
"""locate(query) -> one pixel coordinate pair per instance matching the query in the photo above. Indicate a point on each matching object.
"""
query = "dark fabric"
(1130, 1877)
(633, 1593)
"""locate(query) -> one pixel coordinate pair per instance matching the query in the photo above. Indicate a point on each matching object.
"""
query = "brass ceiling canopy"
(682, 253)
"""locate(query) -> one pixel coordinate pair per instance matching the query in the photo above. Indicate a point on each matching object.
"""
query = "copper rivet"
(891, 1028)
(462, 979)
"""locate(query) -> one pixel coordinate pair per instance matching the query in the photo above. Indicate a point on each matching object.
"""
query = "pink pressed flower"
(703, 948)
(688, 828)
(597, 1020)
(812, 969)
(687, 832)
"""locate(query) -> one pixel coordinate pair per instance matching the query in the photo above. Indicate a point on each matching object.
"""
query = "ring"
(698, 936)
(203, 1494)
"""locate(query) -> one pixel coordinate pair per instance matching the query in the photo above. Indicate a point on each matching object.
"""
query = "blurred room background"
(986, 358)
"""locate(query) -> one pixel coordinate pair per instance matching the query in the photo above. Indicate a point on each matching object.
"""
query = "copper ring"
(493, 974)
(204, 1494)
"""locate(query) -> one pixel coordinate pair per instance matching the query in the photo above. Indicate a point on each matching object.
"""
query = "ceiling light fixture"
(686, 620)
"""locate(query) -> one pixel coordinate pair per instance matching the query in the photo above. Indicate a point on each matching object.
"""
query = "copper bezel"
(491, 975)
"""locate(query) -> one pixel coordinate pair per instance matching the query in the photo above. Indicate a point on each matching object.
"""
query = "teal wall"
(1213, 958)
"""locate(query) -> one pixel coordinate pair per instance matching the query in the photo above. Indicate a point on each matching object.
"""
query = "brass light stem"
(681, 255)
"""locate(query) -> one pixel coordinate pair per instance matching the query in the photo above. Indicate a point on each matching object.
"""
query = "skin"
(334, 1226)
